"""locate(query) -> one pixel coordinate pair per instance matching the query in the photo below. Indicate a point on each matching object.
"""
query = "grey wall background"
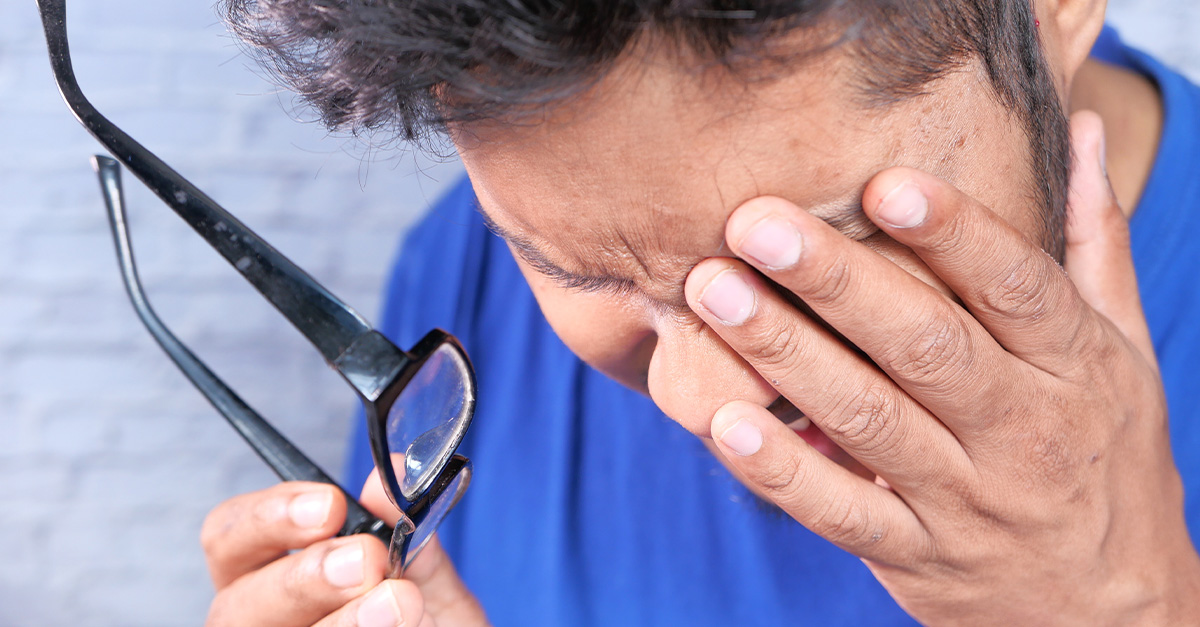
(108, 459)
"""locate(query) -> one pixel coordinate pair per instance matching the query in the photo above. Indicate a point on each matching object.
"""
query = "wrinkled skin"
(1000, 429)
(1020, 440)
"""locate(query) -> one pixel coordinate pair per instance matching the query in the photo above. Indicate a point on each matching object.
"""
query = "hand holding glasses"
(418, 403)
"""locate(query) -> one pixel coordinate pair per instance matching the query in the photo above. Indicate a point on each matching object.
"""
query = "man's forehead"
(643, 189)
(584, 184)
(652, 246)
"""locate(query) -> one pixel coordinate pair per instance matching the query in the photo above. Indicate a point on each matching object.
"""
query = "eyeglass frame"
(374, 367)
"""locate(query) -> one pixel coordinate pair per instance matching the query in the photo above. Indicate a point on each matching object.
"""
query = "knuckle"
(844, 521)
(775, 346)
(1094, 350)
(783, 481)
(934, 354)
(957, 233)
(217, 525)
(232, 522)
(1107, 349)
(1021, 291)
(829, 282)
(839, 518)
(866, 421)
(301, 583)
(983, 507)
(1059, 460)
(1079, 339)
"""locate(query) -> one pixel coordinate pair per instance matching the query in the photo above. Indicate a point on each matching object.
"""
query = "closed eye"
(562, 278)
(581, 283)
(673, 303)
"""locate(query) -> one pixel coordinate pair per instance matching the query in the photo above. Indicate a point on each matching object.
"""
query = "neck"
(1133, 120)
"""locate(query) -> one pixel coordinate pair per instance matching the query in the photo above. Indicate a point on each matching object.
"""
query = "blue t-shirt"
(590, 507)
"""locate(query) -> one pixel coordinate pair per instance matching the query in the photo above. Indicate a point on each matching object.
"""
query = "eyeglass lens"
(427, 420)
(432, 518)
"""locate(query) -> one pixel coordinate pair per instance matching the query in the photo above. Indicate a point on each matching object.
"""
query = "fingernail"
(774, 243)
(742, 438)
(1103, 153)
(344, 566)
(904, 207)
(310, 510)
(379, 609)
(728, 297)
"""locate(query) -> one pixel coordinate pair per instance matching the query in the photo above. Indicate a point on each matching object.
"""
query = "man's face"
(609, 201)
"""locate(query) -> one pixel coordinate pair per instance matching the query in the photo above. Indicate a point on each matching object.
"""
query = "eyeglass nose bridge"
(398, 547)
(425, 514)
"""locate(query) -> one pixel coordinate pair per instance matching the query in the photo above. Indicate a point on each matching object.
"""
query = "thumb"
(447, 599)
(1099, 259)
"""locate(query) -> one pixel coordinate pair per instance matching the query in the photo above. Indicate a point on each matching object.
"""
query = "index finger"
(303, 587)
(249, 530)
(434, 574)
(1010, 285)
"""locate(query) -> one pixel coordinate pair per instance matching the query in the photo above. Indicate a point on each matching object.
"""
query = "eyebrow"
(848, 218)
(540, 262)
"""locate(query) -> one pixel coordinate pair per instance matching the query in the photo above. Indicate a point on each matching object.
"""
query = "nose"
(693, 373)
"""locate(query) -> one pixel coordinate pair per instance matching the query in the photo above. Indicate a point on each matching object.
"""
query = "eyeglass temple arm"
(280, 454)
(328, 323)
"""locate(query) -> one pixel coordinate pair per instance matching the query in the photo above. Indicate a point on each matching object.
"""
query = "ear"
(1069, 29)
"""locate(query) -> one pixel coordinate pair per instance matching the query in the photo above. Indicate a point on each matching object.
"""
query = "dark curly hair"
(410, 67)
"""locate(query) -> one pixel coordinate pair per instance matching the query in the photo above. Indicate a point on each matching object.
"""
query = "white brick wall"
(108, 459)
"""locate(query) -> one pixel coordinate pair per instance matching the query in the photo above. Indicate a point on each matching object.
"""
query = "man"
(812, 234)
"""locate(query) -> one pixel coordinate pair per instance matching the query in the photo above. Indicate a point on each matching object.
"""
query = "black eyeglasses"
(418, 403)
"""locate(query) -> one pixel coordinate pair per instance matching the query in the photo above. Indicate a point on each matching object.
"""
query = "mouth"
(795, 420)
